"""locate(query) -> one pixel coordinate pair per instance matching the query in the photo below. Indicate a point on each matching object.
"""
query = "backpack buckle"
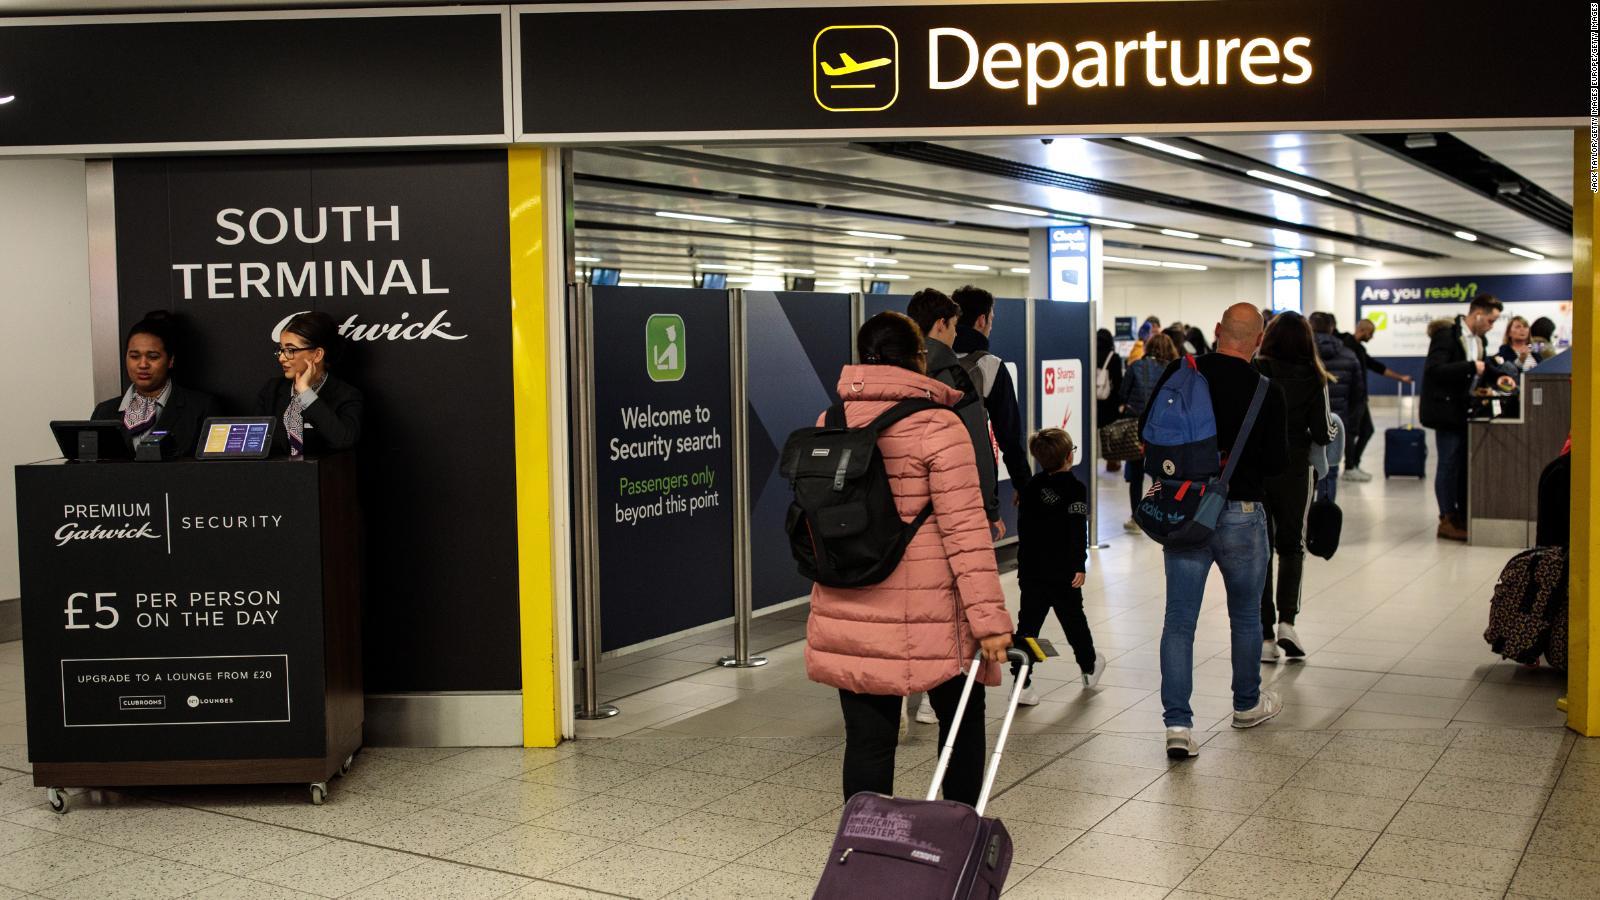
(838, 474)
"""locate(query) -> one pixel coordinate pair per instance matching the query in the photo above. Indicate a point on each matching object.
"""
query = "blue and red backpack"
(1189, 477)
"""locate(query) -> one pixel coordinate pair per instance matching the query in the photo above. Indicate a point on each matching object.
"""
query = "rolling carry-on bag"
(1405, 449)
(893, 847)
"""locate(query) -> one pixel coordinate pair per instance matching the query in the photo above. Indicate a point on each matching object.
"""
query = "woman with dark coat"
(318, 412)
(1138, 386)
(154, 407)
(1107, 358)
(1289, 357)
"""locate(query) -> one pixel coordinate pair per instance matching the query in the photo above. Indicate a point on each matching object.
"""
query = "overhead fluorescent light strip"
(877, 261)
(970, 267)
(1112, 223)
(1235, 242)
(1128, 260)
(1288, 183)
(1020, 210)
(1358, 261)
(1177, 265)
(1164, 148)
(1466, 236)
(694, 217)
(1173, 232)
(651, 276)
(1528, 253)
(876, 235)
(589, 259)
(1020, 270)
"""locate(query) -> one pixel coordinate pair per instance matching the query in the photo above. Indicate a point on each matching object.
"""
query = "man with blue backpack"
(1213, 432)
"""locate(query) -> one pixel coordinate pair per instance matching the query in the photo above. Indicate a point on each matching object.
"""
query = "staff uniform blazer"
(181, 418)
(332, 417)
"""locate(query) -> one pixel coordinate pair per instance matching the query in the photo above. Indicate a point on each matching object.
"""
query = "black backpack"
(844, 528)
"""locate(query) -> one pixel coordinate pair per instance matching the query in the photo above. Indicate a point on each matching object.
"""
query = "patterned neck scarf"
(140, 412)
(294, 422)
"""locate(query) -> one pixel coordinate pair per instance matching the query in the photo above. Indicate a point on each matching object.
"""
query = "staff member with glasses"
(318, 412)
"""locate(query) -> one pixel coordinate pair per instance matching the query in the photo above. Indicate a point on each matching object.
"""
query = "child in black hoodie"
(1053, 547)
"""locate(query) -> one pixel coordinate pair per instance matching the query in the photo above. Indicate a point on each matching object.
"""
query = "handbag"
(1119, 441)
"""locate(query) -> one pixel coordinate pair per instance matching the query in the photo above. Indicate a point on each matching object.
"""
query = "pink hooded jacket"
(916, 629)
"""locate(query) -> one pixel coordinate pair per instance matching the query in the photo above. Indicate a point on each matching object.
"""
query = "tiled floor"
(1409, 763)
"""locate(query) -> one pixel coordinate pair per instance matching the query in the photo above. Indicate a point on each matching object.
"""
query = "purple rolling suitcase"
(892, 847)
(1405, 449)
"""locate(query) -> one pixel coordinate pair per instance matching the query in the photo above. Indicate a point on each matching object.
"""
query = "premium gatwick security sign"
(1004, 66)
(173, 611)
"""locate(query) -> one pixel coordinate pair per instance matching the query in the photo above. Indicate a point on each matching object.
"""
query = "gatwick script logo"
(855, 68)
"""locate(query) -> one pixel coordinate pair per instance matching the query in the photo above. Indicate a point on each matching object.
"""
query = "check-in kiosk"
(192, 622)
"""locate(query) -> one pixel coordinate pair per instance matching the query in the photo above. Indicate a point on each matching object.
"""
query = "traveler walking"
(937, 316)
(1456, 355)
(1052, 555)
(1289, 357)
(1138, 386)
(1237, 545)
(879, 643)
(1108, 374)
(999, 391)
(1347, 392)
(1359, 433)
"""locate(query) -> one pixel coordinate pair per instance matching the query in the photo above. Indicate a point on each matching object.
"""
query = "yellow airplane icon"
(850, 66)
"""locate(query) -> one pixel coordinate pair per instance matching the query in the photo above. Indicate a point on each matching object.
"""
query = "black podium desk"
(190, 622)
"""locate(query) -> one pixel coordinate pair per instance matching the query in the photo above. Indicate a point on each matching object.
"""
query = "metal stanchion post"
(1094, 431)
(588, 546)
(743, 587)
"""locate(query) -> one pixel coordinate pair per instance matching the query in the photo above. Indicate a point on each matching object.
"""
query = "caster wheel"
(319, 793)
(344, 767)
(57, 798)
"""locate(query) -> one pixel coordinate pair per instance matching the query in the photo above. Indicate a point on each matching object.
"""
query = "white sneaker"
(1270, 652)
(926, 715)
(1289, 642)
(1268, 706)
(1131, 527)
(1091, 680)
(1029, 697)
(1180, 743)
(1356, 475)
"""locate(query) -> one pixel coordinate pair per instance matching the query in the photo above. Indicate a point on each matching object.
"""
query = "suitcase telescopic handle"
(1021, 658)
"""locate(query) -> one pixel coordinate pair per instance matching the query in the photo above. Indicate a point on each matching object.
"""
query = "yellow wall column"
(536, 532)
(1583, 672)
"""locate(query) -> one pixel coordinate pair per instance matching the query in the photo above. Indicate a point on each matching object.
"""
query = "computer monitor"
(91, 440)
(605, 277)
(878, 287)
(713, 281)
(799, 283)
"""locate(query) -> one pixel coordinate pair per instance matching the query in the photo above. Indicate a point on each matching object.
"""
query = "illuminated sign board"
(1288, 284)
(593, 73)
(1070, 272)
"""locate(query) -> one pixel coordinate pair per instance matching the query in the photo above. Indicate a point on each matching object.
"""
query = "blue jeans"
(1239, 548)
(1450, 481)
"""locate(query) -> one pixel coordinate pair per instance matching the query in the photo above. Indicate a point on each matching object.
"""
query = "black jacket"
(332, 423)
(1447, 379)
(1052, 529)
(1305, 402)
(1349, 389)
(182, 418)
(1000, 399)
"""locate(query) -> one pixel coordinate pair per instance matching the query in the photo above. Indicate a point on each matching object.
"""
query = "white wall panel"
(44, 347)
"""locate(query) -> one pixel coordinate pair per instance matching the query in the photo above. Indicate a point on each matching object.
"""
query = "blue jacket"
(1139, 384)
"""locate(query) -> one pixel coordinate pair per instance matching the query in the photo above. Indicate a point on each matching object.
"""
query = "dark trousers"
(872, 731)
(1363, 435)
(1133, 473)
(1288, 500)
(1450, 479)
(1038, 599)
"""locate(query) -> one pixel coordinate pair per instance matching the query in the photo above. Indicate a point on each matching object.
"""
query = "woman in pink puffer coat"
(918, 629)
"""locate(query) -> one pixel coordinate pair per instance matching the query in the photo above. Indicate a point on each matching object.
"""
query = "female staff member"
(1289, 357)
(154, 404)
(918, 629)
(319, 412)
(1518, 349)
